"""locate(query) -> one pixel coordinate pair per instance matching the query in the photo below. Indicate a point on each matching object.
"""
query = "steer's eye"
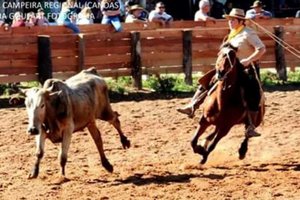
(42, 106)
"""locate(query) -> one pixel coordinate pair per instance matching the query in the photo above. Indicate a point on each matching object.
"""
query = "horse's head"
(226, 61)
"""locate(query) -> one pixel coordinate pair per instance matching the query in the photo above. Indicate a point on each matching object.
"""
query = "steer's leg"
(96, 135)
(116, 123)
(63, 154)
(40, 145)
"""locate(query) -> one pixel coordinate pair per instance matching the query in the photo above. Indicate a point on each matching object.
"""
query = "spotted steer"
(61, 108)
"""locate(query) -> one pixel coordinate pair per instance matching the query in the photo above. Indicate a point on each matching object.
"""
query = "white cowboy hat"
(235, 13)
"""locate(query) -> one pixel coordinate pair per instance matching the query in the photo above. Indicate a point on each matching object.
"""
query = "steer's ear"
(59, 104)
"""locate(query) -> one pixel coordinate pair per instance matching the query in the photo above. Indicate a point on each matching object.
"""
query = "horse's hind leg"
(243, 149)
(203, 124)
(220, 134)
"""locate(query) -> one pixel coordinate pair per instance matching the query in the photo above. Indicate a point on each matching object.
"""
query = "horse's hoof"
(241, 157)
(203, 161)
(200, 150)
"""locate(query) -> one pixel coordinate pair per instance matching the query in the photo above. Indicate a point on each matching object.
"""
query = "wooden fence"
(38, 53)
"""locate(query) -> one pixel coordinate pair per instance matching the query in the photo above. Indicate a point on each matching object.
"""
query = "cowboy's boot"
(195, 103)
(250, 131)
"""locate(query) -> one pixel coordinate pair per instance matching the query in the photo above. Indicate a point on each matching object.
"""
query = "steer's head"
(36, 109)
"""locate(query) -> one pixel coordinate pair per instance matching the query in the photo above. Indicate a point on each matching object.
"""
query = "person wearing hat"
(257, 12)
(202, 13)
(250, 50)
(134, 15)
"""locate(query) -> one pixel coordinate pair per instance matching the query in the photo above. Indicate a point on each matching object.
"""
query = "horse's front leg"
(40, 146)
(209, 138)
(243, 149)
(63, 154)
(203, 124)
(220, 134)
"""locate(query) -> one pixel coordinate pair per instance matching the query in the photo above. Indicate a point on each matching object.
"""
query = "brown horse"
(224, 105)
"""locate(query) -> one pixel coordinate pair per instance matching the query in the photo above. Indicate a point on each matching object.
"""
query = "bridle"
(231, 67)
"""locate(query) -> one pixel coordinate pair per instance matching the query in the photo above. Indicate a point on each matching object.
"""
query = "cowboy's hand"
(245, 62)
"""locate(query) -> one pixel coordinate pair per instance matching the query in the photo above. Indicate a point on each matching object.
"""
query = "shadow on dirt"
(138, 179)
(293, 166)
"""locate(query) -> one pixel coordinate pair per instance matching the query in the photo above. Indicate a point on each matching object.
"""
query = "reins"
(281, 42)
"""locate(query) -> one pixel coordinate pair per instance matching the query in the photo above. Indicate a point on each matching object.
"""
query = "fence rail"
(183, 47)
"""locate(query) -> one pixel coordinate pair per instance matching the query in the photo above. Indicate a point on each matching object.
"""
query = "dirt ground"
(160, 163)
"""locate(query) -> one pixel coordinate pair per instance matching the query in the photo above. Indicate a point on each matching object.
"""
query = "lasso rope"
(281, 42)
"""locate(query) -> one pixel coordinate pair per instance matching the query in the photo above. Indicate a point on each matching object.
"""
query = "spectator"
(111, 10)
(30, 19)
(217, 8)
(18, 20)
(41, 20)
(134, 15)
(159, 14)
(202, 13)
(85, 16)
(65, 14)
(298, 14)
(257, 12)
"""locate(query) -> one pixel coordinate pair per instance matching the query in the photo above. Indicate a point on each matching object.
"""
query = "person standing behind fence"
(30, 19)
(257, 12)
(298, 14)
(65, 14)
(41, 20)
(202, 13)
(85, 16)
(18, 20)
(159, 15)
(134, 15)
(111, 10)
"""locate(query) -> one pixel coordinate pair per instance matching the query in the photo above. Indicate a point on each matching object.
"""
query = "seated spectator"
(30, 19)
(18, 20)
(85, 16)
(134, 15)
(111, 10)
(257, 12)
(298, 14)
(202, 13)
(159, 14)
(64, 16)
(41, 20)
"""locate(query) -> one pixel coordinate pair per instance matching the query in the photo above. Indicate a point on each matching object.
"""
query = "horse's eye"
(42, 106)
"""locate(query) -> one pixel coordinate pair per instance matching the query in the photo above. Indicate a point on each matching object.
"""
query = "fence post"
(44, 58)
(81, 52)
(187, 56)
(136, 71)
(279, 54)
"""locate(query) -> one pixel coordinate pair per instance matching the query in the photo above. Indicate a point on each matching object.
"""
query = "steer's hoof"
(33, 174)
(125, 143)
